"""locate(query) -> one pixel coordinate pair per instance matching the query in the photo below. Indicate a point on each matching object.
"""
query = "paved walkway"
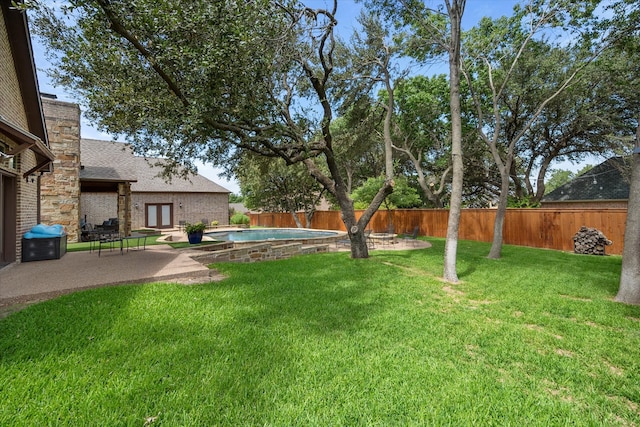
(39, 280)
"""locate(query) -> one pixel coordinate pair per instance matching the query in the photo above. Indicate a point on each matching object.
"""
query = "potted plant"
(195, 232)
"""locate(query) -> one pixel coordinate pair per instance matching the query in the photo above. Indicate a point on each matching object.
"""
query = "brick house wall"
(60, 191)
(99, 207)
(27, 195)
(11, 105)
(195, 207)
(12, 108)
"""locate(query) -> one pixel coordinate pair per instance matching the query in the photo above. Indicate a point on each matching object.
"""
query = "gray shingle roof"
(605, 181)
(109, 161)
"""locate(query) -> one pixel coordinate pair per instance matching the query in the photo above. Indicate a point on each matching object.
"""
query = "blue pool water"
(269, 234)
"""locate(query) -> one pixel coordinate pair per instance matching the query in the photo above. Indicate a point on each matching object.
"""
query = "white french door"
(159, 215)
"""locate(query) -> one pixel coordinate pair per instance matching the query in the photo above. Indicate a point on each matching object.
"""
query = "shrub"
(194, 228)
(239, 219)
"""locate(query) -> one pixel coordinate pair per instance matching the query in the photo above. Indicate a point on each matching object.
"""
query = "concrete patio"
(29, 282)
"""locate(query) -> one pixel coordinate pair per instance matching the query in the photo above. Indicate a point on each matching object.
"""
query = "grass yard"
(533, 339)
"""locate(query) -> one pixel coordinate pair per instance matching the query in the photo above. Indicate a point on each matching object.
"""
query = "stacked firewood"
(590, 241)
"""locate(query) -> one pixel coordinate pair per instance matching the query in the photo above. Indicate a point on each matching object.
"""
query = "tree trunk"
(540, 185)
(355, 228)
(359, 247)
(517, 182)
(308, 217)
(629, 291)
(498, 224)
(296, 219)
(455, 10)
(422, 181)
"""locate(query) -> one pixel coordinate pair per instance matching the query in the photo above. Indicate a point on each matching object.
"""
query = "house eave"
(107, 180)
(27, 141)
(22, 53)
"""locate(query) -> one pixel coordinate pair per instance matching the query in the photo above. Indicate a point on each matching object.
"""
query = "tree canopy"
(213, 80)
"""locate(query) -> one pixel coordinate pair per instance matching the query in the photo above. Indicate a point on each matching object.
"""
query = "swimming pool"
(282, 235)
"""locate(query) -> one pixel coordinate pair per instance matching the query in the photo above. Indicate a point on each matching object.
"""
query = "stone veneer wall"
(60, 191)
(259, 252)
(124, 210)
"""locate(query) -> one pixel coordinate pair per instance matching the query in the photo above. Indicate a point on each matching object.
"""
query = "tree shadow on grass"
(233, 351)
(62, 325)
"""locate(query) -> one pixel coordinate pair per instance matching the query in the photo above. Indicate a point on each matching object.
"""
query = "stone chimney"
(60, 190)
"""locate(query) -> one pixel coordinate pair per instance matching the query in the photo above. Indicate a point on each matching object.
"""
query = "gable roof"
(605, 181)
(115, 161)
(22, 52)
(35, 137)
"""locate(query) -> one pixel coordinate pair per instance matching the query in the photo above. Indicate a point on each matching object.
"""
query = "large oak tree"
(436, 32)
(210, 80)
(627, 23)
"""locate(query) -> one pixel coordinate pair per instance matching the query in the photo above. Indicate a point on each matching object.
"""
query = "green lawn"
(323, 340)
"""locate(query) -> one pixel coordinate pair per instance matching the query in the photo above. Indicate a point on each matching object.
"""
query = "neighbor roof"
(109, 161)
(605, 181)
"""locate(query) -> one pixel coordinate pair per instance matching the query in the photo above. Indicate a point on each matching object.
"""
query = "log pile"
(590, 241)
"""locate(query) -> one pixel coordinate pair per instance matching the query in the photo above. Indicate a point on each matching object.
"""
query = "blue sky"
(348, 10)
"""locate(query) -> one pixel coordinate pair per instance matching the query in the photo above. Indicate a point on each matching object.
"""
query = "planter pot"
(195, 237)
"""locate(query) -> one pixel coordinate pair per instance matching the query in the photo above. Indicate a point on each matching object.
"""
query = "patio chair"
(343, 242)
(347, 242)
(413, 238)
(370, 242)
(86, 228)
(389, 236)
(98, 237)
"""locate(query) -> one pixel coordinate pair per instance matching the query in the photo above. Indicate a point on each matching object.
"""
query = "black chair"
(100, 237)
(413, 238)
(86, 228)
(389, 236)
(370, 242)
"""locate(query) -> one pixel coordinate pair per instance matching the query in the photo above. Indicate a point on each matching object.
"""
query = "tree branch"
(118, 27)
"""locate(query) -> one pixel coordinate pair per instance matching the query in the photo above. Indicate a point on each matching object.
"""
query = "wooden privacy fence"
(539, 228)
